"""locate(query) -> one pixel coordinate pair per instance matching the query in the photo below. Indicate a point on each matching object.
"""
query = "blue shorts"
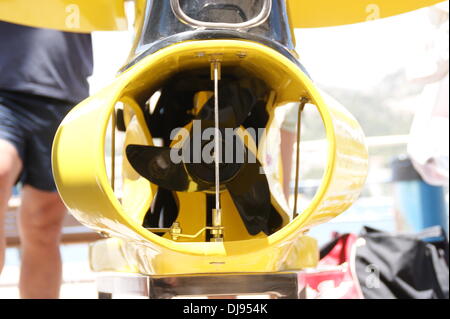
(29, 122)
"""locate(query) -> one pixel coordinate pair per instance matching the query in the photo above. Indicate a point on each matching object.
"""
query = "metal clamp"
(258, 20)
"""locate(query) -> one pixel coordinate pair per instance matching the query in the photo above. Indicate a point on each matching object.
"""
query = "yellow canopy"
(89, 15)
(326, 13)
(66, 15)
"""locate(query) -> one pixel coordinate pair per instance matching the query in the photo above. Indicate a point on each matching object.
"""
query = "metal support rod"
(113, 149)
(303, 102)
(217, 229)
(217, 133)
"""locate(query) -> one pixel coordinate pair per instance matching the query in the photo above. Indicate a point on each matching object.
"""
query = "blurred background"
(370, 68)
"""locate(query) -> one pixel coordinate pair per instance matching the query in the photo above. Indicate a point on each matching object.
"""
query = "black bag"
(392, 266)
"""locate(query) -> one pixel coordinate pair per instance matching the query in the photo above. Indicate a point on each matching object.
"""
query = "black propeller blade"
(248, 188)
(251, 195)
(236, 103)
(155, 164)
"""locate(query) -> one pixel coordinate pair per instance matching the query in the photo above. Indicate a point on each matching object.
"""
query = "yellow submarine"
(229, 65)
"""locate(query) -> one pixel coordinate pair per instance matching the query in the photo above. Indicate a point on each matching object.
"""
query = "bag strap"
(436, 232)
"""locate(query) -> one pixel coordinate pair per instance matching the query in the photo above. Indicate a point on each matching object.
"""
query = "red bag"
(335, 277)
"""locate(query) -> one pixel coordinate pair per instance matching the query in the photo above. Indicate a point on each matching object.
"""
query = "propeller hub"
(205, 170)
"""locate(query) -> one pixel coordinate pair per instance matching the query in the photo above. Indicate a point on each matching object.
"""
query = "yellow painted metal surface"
(80, 171)
(67, 15)
(88, 15)
(137, 192)
(326, 13)
(115, 255)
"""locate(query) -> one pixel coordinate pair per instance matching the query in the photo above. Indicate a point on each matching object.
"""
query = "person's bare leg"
(40, 223)
(288, 140)
(10, 167)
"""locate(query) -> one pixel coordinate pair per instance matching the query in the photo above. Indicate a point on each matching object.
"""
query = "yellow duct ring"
(80, 171)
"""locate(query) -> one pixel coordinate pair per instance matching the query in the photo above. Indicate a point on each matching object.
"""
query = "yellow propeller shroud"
(81, 173)
(79, 149)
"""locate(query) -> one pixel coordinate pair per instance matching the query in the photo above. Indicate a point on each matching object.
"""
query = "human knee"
(6, 179)
(45, 216)
(41, 235)
(10, 165)
(43, 225)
